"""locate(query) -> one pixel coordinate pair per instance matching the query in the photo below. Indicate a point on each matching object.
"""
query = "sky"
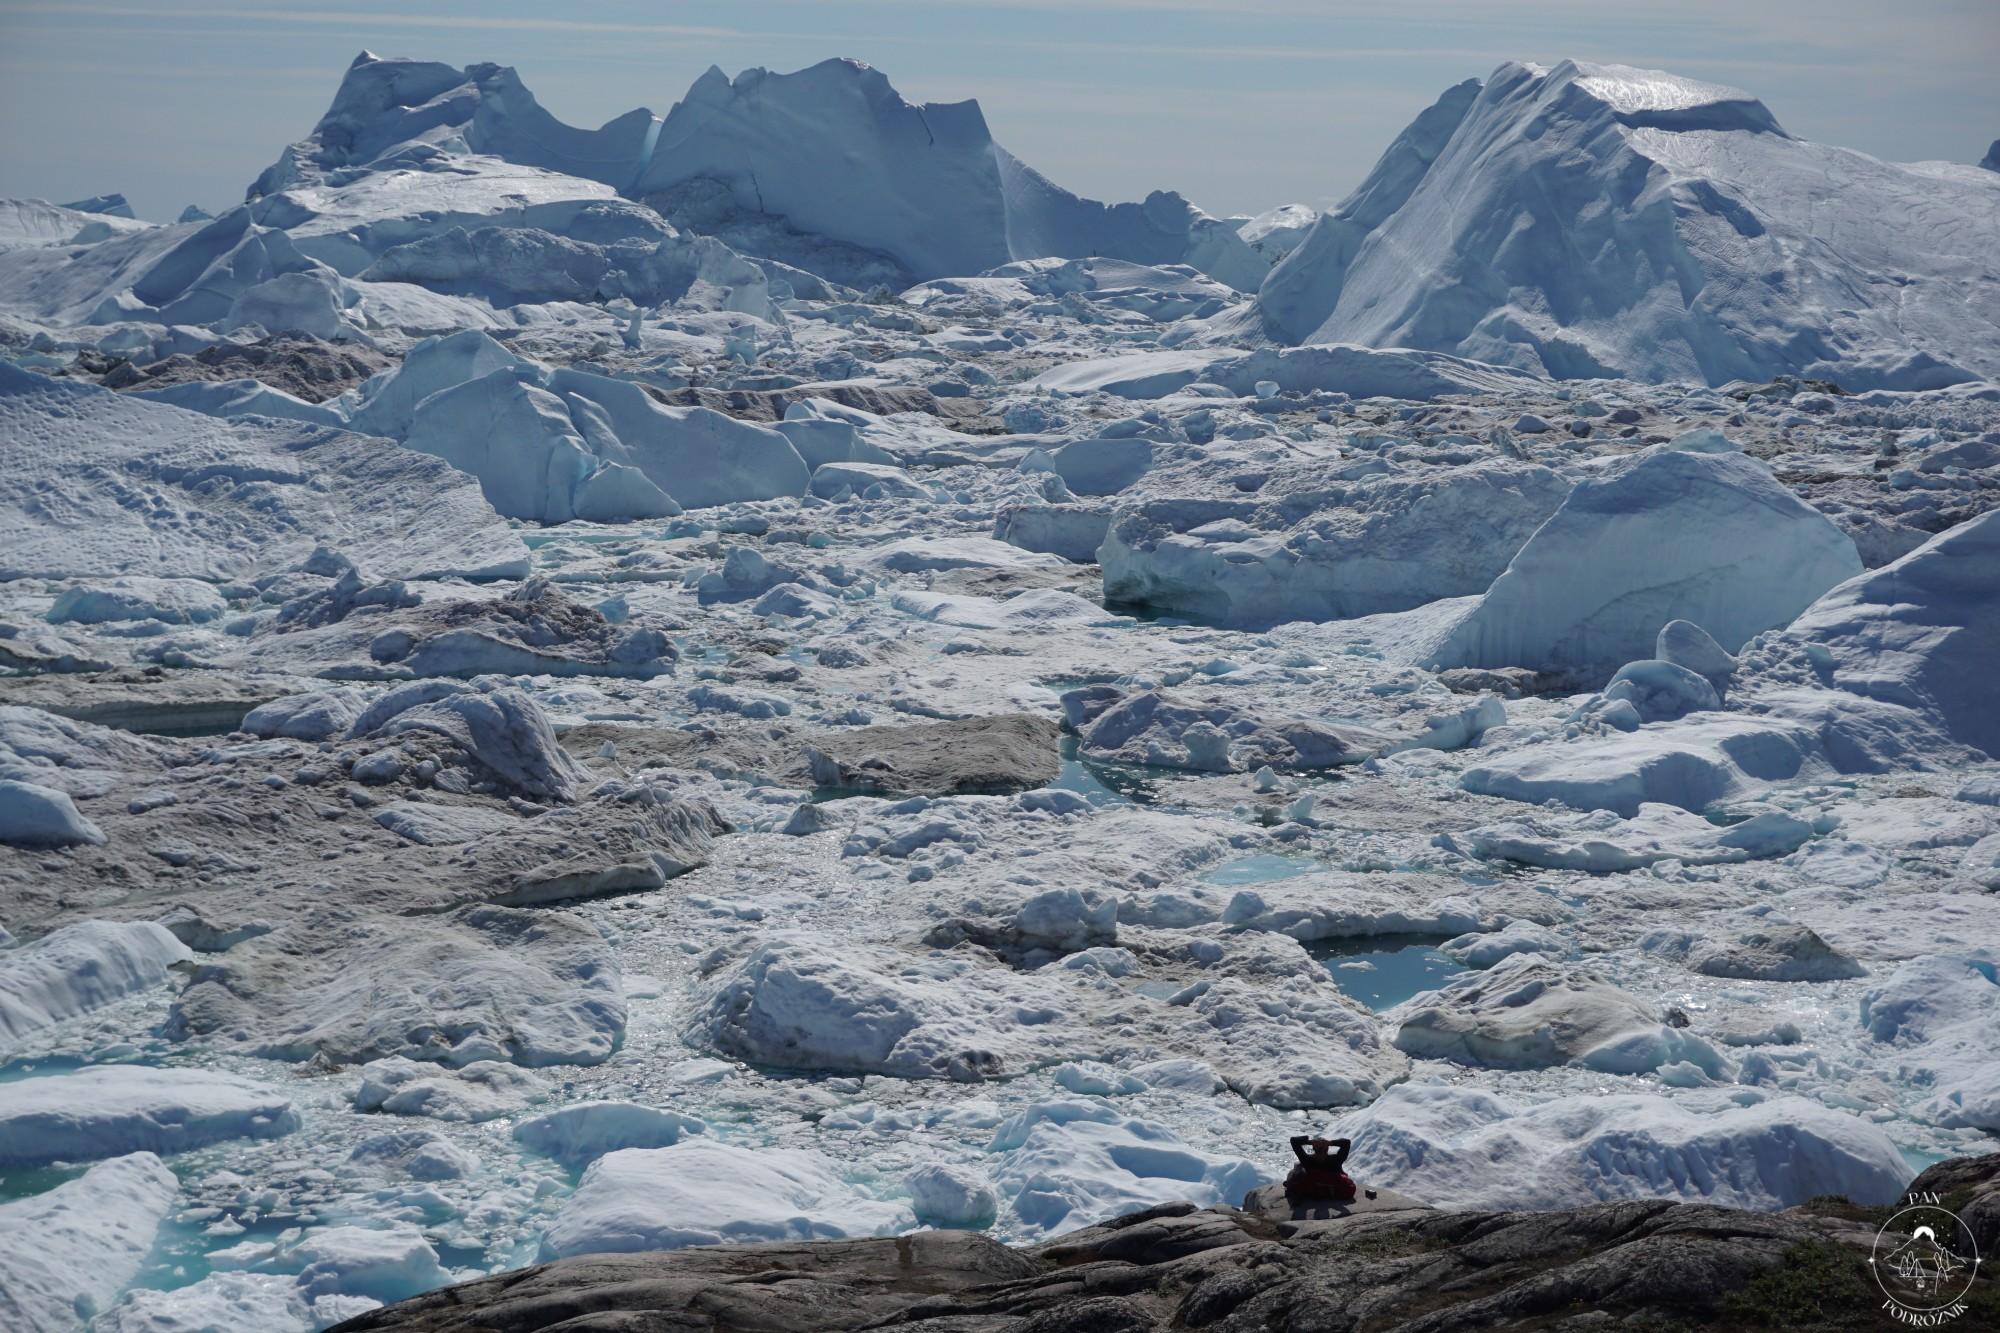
(1240, 105)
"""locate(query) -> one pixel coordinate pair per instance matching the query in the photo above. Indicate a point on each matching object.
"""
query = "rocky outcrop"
(1385, 1264)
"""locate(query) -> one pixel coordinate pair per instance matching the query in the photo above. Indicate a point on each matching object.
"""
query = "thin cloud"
(364, 18)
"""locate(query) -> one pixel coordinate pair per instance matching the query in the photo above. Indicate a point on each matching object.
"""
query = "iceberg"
(1719, 246)
(1678, 535)
(830, 170)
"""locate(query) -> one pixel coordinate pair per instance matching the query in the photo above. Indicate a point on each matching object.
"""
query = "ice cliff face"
(828, 169)
(1591, 220)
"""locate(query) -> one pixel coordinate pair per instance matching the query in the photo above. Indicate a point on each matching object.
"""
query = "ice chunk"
(1688, 645)
(1922, 631)
(702, 1192)
(267, 1302)
(65, 1254)
(926, 555)
(516, 437)
(314, 301)
(792, 1004)
(322, 715)
(511, 265)
(1385, 544)
(1073, 532)
(1065, 1165)
(581, 1132)
(1776, 952)
(1530, 1012)
(377, 1263)
(1361, 372)
(111, 1110)
(1942, 1014)
(111, 205)
(1481, 1151)
(242, 398)
(1275, 231)
(419, 1154)
(1089, 1078)
(532, 630)
(80, 967)
(1841, 863)
(385, 404)
(1485, 948)
(870, 481)
(951, 1197)
(698, 456)
(1708, 537)
(502, 728)
(1038, 608)
(134, 597)
(1601, 842)
(1981, 863)
(1165, 730)
(1300, 1046)
(80, 758)
(1691, 764)
(482, 1090)
(383, 103)
(1180, 1075)
(1661, 691)
(1095, 467)
(32, 816)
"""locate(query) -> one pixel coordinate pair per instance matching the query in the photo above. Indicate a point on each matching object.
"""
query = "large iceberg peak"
(388, 103)
(1718, 246)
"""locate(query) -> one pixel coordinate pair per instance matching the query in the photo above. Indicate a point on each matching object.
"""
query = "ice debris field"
(769, 672)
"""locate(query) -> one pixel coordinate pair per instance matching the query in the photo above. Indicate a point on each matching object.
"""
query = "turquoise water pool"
(1384, 971)
(1263, 868)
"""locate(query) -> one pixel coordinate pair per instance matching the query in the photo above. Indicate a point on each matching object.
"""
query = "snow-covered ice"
(1492, 1153)
(80, 967)
(112, 1110)
(1064, 1165)
(67, 1253)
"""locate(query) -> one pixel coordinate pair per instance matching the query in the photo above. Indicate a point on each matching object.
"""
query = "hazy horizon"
(1240, 105)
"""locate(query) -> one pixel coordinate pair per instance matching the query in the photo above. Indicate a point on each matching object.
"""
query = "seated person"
(1318, 1174)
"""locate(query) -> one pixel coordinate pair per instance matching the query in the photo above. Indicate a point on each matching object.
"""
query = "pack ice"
(765, 673)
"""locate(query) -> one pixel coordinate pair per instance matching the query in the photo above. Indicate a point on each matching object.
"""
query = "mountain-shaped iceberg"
(1597, 220)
